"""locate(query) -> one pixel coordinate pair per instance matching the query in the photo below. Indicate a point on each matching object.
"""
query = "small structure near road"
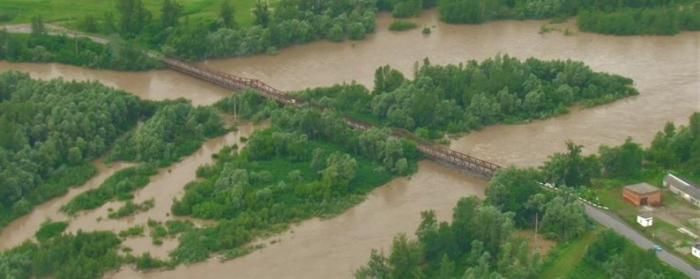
(642, 194)
(696, 250)
(645, 220)
(682, 187)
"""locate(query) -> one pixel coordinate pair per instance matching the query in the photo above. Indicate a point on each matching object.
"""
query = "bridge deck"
(454, 158)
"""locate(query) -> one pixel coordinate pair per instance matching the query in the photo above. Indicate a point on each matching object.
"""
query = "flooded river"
(152, 85)
(666, 71)
(164, 186)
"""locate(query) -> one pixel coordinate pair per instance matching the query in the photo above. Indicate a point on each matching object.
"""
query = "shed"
(645, 220)
(642, 194)
(684, 188)
(696, 250)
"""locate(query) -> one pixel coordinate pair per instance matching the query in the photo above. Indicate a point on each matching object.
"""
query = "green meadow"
(70, 12)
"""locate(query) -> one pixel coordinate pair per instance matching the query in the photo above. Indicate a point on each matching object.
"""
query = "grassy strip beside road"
(567, 255)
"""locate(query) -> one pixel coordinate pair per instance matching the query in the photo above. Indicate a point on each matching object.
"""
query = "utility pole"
(536, 215)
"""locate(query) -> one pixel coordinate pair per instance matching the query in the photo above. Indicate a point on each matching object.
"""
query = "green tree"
(38, 28)
(387, 79)
(262, 13)
(90, 24)
(564, 217)
(406, 8)
(624, 161)
(511, 189)
(446, 268)
(74, 155)
(109, 26)
(134, 16)
(406, 257)
(226, 13)
(571, 169)
(377, 267)
(170, 13)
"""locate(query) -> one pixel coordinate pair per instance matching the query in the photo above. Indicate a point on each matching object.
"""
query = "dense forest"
(69, 256)
(459, 98)
(51, 132)
(307, 164)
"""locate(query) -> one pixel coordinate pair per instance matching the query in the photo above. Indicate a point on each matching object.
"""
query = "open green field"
(570, 255)
(69, 12)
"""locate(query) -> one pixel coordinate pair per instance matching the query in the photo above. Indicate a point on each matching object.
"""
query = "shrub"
(402, 25)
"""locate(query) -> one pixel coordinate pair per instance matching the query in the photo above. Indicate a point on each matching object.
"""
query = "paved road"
(622, 228)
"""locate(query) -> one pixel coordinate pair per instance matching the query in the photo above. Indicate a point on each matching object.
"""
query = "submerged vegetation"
(402, 25)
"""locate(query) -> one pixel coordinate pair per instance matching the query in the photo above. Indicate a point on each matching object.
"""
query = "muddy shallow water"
(167, 184)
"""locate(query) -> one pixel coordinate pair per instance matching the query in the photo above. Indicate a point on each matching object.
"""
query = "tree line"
(51, 132)
(673, 149)
(276, 25)
(476, 244)
(627, 17)
(460, 98)
(116, 54)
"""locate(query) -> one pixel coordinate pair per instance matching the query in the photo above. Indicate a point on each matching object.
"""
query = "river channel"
(666, 71)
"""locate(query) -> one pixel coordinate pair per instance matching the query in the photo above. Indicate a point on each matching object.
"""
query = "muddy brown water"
(666, 71)
(151, 85)
(167, 184)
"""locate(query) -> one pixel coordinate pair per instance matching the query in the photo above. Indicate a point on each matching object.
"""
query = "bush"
(402, 25)
(356, 31)
(50, 229)
(426, 30)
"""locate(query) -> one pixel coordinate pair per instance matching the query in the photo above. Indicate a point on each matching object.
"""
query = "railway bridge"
(435, 152)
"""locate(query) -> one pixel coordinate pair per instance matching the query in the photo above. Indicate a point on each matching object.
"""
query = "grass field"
(570, 255)
(70, 12)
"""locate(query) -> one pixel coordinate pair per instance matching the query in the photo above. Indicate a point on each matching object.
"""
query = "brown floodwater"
(151, 85)
(163, 188)
(335, 247)
(24, 228)
(666, 71)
